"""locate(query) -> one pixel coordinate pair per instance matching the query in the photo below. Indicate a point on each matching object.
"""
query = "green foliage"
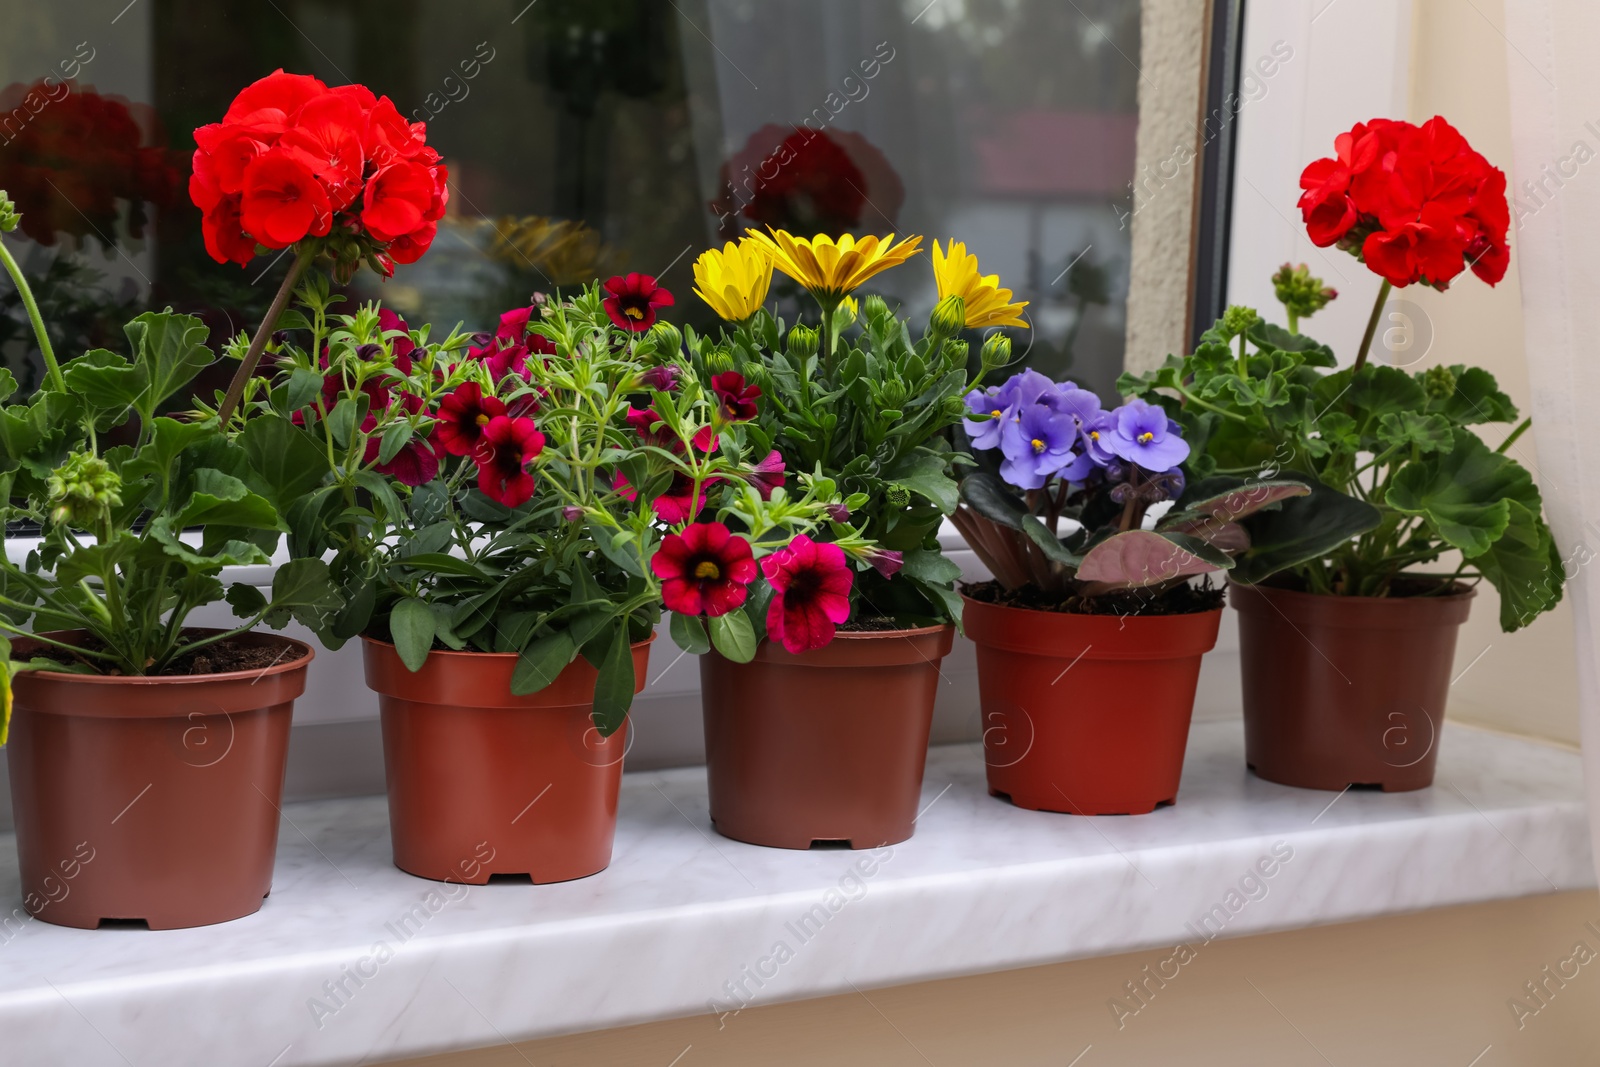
(1396, 477)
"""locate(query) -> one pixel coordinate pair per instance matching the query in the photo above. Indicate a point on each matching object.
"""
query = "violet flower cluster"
(1048, 430)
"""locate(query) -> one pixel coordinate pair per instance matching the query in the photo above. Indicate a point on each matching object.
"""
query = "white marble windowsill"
(683, 916)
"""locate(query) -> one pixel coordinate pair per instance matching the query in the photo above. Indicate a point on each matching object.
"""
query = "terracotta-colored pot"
(1086, 714)
(826, 746)
(482, 782)
(150, 798)
(1343, 690)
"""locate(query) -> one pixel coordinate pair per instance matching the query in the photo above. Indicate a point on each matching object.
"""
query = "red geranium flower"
(633, 301)
(396, 199)
(736, 401)
(225, 238)
(463, 417)
(1417, 203)
(508, 446)
(704, 570)
(283, 201)
(811, 593)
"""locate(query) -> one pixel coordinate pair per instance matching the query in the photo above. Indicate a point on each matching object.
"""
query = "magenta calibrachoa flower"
(811, 593)
(704, 570)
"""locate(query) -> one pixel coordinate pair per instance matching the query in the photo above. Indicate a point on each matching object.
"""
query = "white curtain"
(1555, 114)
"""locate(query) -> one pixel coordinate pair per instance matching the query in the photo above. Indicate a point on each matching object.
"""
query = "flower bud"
(996, 351)
(571, 514)
(954, 409)
(719, 361)
(949, 316)
(955, 354)
(802, 342)
(1439, 383)
(667, 337)
(1301, 294)
(897, 496)
(892, 394)
(1237, 319)
(838, 513)
(663, 379)
(82, 490)
(874, 307)
(9, 216)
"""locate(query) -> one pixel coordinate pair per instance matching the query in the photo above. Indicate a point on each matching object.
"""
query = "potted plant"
(822, 734)
(496, 506)
(1347, 646)
(1093, 544)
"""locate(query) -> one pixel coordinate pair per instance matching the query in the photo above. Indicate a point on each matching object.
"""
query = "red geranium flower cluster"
(705, 570)
(471, 423)
(293, 159)
(811, 593)
(1416, 203)
(75, 155)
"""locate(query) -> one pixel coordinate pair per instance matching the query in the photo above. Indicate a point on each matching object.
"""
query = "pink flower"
(811, 585)
(705, 570)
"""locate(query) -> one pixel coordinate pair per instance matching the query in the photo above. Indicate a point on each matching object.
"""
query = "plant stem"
(1294, 321)
(258, 344)
(34, 317)
(1372, 324)
(1521, 429)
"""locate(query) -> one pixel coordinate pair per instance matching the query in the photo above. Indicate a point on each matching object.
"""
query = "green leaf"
(412, 626)
(929, 566)
(689, 633)
(542, 661)
(1465, 493)
(924, 473)
(223, 500)
(734, 637)
(1477, 398)
(247, 601)
(1525, 568)
(394, 439)
(302, 389)
(992, 498)
(342, 420)
(285, 460)
(168, 440)
(106, 381)
(614, 688)
(1303, 529)
(443, 563)
(170, 349)
(353, 617)
(1427, 433)
(304, 589)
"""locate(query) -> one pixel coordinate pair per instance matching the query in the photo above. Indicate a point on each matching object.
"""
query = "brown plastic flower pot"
(482, 782)
(153, 799)
(1342, 691)
(1086, 714)
(827, 746)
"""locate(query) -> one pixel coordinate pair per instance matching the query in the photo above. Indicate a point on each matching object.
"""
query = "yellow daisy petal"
(830, 268)
(956, 272)
(734, 280)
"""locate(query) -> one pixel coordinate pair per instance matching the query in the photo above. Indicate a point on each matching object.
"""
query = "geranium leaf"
(614, 688)
(411, 624)
(285, 460)
(170, 350)
(734, 637)
(1429, 433)
(1464, 493)
(1525, 566)
(541, 662)
(689, 633)
(304, 589)
(1477, 398)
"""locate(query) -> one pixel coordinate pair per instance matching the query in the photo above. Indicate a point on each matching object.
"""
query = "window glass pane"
(585, 138)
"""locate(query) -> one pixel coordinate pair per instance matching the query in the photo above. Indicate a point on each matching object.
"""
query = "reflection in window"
(586, 138)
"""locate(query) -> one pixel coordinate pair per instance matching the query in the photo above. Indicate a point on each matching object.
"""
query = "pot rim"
(872, 635)
(451, 653)
(1466, 592)
(1096, 615)
(298, 663)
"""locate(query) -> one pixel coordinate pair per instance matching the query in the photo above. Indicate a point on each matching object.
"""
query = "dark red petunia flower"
(642, 421)
(680, 504)
(402, 346)
(736, 400)
(417, 463)
(508, 446)
(283, 201)
(705, 570)
(633, 299)
(463, 417)
(766, 475)
(811, 585)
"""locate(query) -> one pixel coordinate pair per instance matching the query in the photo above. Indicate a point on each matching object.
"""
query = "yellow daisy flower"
(987, 304)
(734, 281)
(829, 269)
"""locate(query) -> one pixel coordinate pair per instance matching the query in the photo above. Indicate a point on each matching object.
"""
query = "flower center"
(1094, 435)
(708, 570)
(482, 419)
(1146, 437)
(633, 312)
(1038, 445)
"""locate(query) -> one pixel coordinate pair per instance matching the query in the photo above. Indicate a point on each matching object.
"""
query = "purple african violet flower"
(1143, 434)
(1027, 387)
(1096, 442)
(1081, 404)
(1037, 444)
(988, 416)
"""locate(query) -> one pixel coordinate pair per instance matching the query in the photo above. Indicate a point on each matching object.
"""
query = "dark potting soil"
(869, 624)
(220, 657)
(1179, 600)
(1404, 585)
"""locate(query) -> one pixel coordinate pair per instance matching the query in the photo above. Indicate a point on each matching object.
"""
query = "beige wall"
(1524, 682)
(1424, 989)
